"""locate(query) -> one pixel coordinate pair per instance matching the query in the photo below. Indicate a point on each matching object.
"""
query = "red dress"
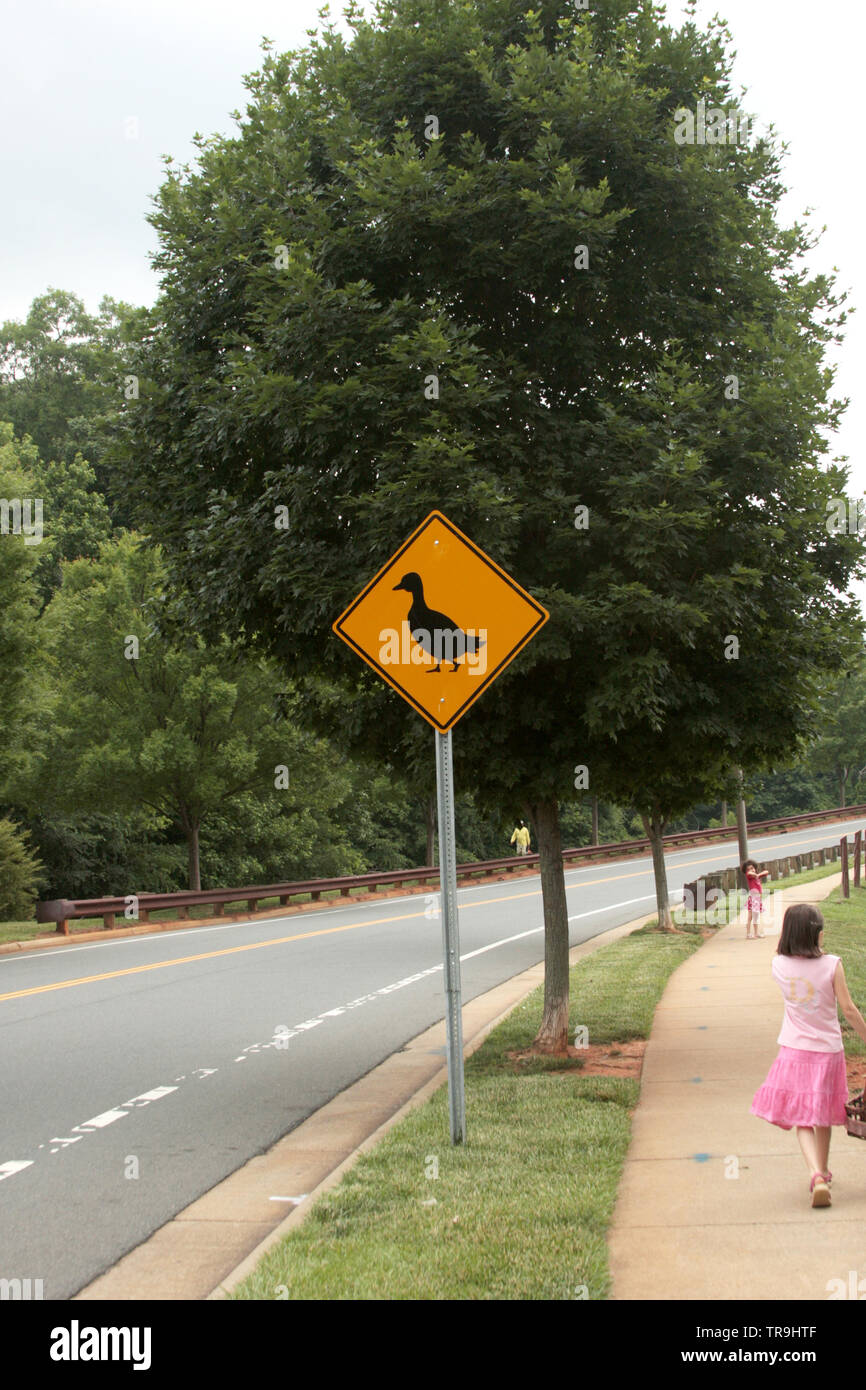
(755, 900)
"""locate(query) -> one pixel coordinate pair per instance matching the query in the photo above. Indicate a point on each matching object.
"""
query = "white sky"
(74, 73)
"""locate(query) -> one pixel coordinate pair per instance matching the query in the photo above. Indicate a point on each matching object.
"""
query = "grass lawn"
(22, 931)
(845, 936)
(520, 1211)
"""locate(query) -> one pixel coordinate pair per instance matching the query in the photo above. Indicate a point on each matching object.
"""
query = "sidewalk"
(714, 1203)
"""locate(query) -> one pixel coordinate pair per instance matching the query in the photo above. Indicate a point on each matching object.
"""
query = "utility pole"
(742, 826)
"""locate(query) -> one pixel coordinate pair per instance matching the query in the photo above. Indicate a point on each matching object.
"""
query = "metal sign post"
(407, 639)
(450, 935)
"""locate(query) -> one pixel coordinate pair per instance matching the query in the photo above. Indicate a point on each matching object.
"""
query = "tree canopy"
(461, 261)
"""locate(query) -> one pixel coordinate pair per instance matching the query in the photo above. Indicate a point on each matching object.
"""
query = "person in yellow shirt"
(520, 838)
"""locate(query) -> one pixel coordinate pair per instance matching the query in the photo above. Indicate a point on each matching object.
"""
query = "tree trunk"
(742, 824)
(843, 778)
(724, 815)
(654, 825)
(595, 820)
(430, 822)
(192, 851)
(552, 1036)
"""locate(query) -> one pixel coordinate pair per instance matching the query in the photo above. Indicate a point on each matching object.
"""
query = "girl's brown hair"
(801, 927)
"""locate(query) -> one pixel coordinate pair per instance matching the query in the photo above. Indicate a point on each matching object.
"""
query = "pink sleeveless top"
(811, 1020)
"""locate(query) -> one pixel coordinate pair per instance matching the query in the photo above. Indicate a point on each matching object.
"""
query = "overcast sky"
(96, 91)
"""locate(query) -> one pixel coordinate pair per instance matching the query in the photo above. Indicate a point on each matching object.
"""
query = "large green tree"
(63, 375)
(21, 538)
(461, 261)
(840, 748)
(153, 719)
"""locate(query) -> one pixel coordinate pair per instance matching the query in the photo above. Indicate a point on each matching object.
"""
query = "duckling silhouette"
(438, 634)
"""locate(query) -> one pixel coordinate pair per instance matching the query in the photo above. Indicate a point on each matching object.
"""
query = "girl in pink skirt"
(806, 1088)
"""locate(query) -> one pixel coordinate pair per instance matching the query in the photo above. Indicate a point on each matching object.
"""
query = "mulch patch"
(856, 1068)
(603, 1059)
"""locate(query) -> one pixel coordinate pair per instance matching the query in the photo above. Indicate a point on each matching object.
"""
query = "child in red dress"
(755, 900)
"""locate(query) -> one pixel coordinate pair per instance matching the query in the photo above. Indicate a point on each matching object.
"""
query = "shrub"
(21, 873)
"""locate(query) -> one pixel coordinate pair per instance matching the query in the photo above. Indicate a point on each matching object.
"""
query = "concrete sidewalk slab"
(713, 1202)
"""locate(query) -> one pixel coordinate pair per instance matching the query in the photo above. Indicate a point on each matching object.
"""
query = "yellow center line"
(301, 936)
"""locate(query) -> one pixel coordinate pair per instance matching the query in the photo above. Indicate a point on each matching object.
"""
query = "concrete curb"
(210, 1246)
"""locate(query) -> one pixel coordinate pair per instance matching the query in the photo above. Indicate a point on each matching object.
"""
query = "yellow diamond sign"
(440, 621)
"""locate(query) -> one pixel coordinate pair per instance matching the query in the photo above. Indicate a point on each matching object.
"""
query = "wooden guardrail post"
(858, 838)
(843, 845)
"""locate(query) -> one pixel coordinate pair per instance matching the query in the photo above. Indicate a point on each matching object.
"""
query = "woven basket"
(856, 1112)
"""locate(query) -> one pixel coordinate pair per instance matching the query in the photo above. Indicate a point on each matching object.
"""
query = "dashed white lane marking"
(147, 1096)
(64, 1143)
(13, 1166)
(282, 1038)
(107, 1117)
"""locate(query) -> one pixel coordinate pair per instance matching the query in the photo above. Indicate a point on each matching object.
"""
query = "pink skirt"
(803, 1088)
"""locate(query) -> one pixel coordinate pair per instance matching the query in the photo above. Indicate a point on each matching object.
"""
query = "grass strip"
(844, 935)
(521, 1211)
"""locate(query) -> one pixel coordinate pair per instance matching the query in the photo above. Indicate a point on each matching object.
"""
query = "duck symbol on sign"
(437, 634)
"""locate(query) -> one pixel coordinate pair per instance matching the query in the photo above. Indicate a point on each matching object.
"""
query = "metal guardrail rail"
(64, 910)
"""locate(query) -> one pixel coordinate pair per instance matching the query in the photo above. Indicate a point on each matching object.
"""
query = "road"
(138, 1073)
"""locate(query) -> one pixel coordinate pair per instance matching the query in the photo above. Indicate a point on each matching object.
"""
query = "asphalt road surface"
(138, 1073)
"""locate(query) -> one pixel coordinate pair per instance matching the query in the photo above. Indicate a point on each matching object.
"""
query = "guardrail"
(138, 907)
(712, 892)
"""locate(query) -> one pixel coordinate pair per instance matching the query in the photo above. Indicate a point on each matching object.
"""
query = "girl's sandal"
(819, 1190)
